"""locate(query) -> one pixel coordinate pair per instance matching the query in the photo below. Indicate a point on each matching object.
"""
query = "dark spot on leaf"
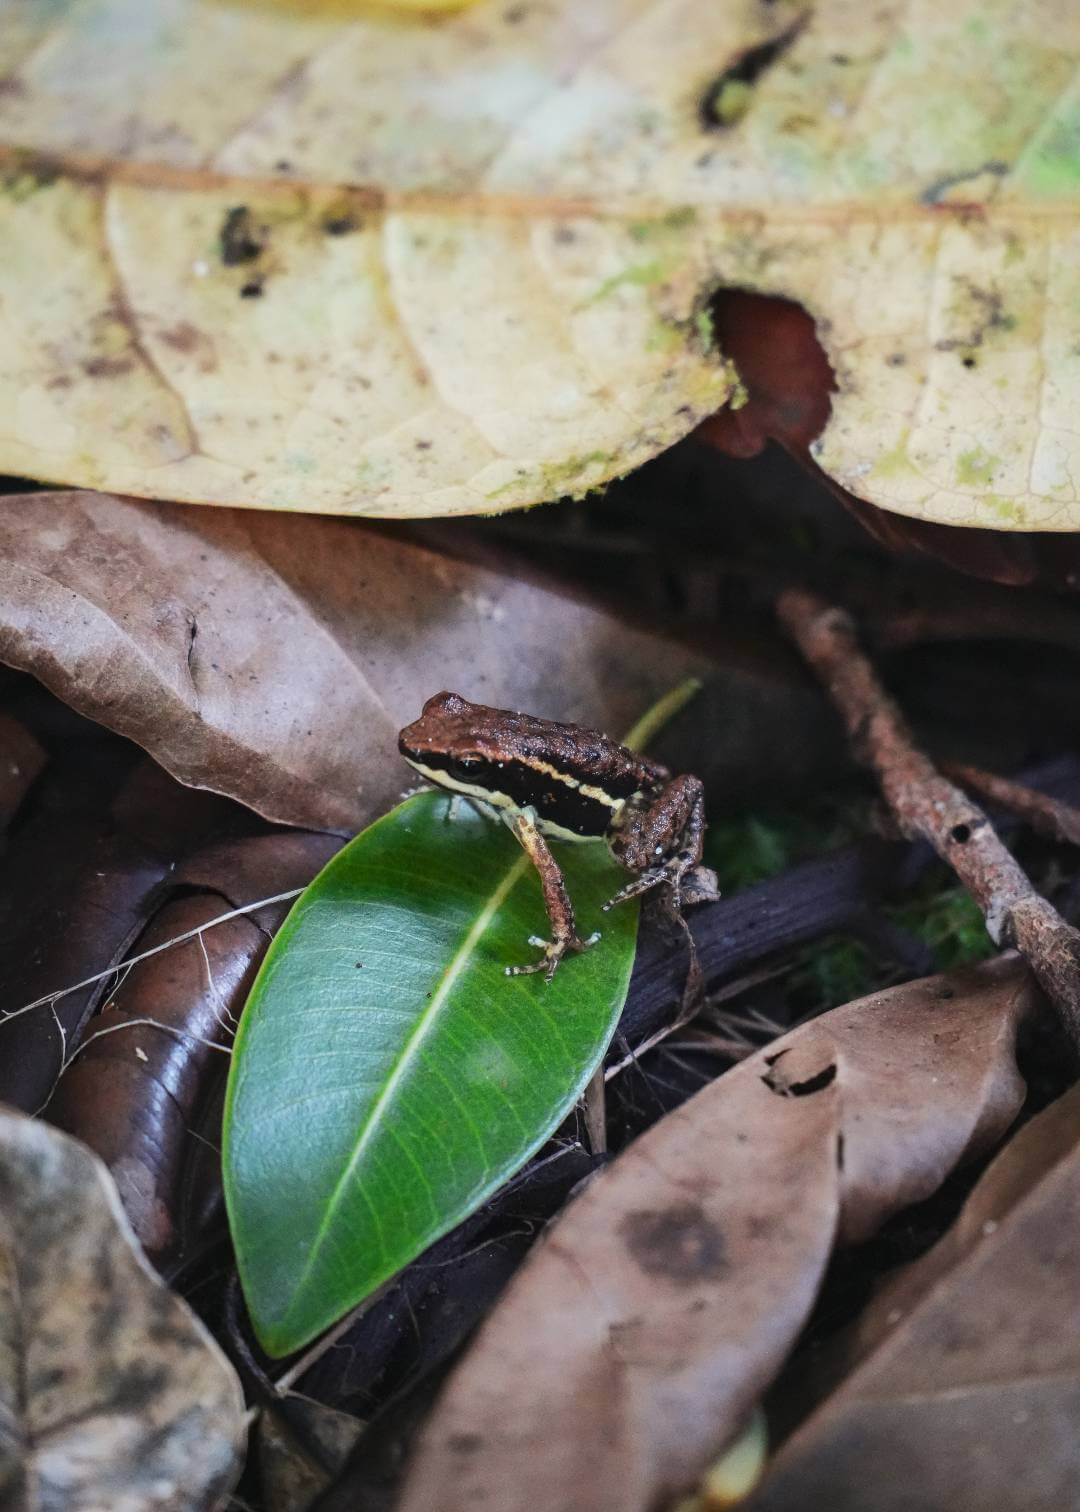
(182, 337)
(252, 289)
(941, 188)
(961, 833)
(968, 362)
(341, 225)
(136, 1386)
(805, 1088)
(464, 1443)
(727, 99)
(896, 359)
(678, 1242)
(241, 240)
(107, 367)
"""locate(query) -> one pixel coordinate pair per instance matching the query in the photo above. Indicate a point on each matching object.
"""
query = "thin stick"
(1045, 815)
(191, 934)
(926, 804)
(288, 1379)
(594, 1106)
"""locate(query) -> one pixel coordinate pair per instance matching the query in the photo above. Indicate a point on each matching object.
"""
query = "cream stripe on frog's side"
(493, 799)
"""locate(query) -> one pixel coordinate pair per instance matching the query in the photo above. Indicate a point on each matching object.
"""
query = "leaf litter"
(277, 279)
(112, 1393)
(682, 1279)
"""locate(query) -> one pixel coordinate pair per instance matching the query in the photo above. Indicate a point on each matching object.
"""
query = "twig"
(594, 1107)
(125, 965)
(927, 804)
(1045, 815)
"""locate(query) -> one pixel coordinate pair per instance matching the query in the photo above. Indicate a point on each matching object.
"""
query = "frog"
(550, 780)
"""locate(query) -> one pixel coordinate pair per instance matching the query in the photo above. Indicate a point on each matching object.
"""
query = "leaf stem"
(645, 730)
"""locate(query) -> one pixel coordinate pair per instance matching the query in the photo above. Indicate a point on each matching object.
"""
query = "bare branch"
(928, 805)
(1045, 815)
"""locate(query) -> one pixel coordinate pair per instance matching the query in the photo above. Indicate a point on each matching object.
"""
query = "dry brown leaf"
(112, 1393)
(302, 1446)
(967, 1390)
(147, 1099)
(642, 1330)
(274, 658)
(194, 305)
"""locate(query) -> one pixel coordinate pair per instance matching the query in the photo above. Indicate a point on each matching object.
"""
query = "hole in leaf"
(961, 833)
(786, 377)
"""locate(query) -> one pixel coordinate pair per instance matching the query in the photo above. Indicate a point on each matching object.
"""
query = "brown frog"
(548, 779)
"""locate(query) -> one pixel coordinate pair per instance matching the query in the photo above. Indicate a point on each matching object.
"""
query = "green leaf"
(388, 1076)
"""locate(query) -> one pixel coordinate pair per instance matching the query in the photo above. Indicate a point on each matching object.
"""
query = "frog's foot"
(679, 871)
(554, 950)
(643, 882)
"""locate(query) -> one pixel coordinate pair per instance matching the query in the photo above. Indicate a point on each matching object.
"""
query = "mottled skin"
(545, 778)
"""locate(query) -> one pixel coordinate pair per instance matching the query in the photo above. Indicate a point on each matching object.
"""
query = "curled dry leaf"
(274, 659)
(81, 878)
(112, 1394)
(965, 1381)
(514, 304)
(682, 1277)
(136, 1092)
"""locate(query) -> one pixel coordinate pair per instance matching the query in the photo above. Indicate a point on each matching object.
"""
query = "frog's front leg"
(564, 936)
(663, 842)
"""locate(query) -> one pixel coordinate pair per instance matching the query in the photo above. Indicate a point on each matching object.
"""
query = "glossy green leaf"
(388, 1076)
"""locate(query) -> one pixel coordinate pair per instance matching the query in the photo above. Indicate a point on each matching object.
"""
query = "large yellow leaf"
(512, 305)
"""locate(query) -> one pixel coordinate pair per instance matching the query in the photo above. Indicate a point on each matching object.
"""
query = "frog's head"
(453, 743)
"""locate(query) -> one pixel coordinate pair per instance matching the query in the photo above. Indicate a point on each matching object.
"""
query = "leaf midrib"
(406, 1055)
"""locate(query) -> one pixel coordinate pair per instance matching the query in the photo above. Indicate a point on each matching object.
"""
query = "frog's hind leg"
(662, 842)
(564, 936)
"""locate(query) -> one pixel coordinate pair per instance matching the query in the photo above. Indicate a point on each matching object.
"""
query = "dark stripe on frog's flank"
(555, 802)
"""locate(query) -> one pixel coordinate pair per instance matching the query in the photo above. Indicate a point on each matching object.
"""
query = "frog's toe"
(639, 884)
(554, 950)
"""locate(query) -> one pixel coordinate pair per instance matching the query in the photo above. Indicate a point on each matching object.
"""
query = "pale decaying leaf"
(274, 658)
(512, 306)
(112, 1394)
(967, 1386)
(679, 1280)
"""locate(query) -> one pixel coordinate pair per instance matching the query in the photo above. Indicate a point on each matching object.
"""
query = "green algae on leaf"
(478, 247)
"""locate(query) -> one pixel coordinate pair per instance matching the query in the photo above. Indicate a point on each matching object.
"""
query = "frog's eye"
(466, 768)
